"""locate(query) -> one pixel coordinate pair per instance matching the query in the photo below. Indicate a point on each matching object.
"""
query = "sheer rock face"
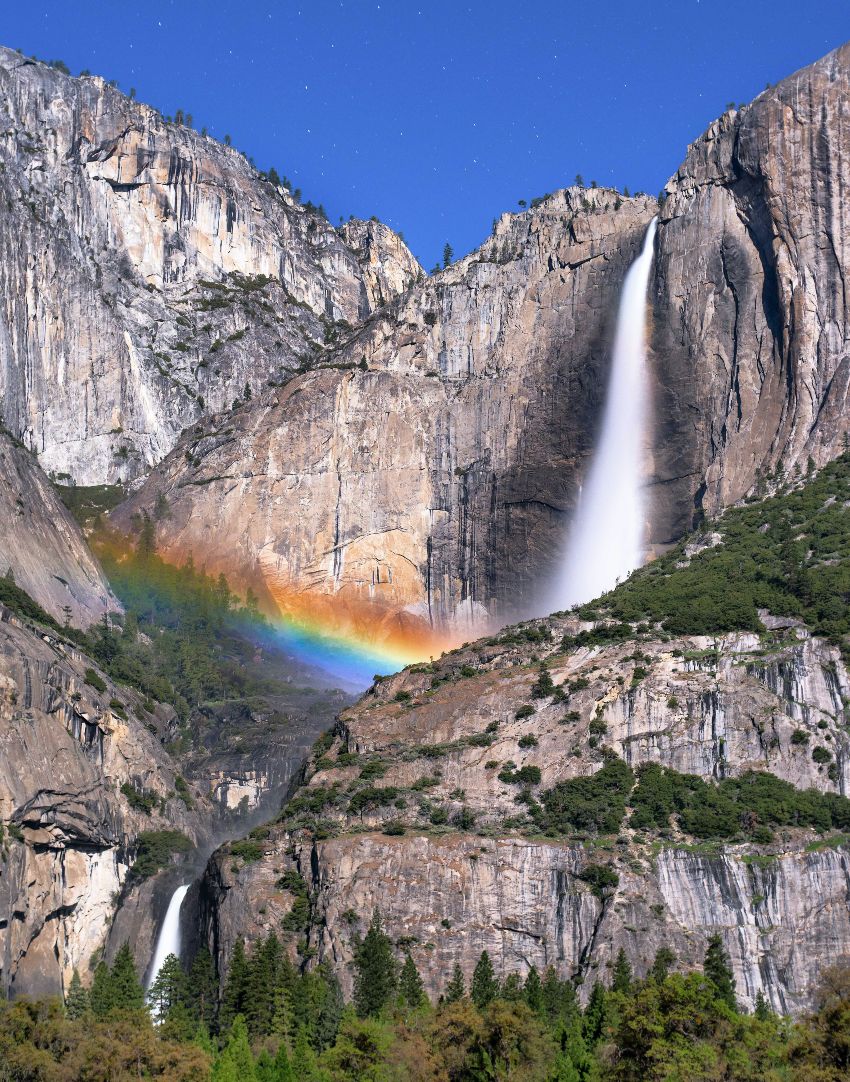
(711, 707)
(71, 835)
(131, 252)
(431, 472)
(387, 265)
(440, 481)
(751, 327)
(43, 546)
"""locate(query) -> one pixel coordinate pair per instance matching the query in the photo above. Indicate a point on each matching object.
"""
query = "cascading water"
(606, 541)
(169, 935)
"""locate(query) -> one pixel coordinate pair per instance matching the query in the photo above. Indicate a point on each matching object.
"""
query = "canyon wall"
(83, 775)
(427, 475)
(42, 546)
(751, 326)
(435, 464)
(433, 751)
(148, 274)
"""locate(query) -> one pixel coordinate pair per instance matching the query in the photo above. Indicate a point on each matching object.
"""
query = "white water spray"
(606, 541)
(169, 935)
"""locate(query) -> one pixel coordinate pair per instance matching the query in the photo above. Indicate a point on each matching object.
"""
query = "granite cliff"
(151, 274)
(42, 546)
(435, 463)
(84, 780)
(468, 875)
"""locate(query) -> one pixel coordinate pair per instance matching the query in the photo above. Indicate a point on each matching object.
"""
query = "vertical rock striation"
(148, 273)
(751, 326)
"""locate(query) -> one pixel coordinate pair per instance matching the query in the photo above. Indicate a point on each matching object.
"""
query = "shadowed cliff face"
(71, 834)
(42, 545)
(148, 273)
(750, 311)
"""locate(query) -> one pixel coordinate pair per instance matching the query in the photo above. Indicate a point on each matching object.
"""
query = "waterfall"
(169, 935)
(606, 541)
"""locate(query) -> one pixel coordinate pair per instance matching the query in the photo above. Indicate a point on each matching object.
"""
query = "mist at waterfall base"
(607, 535)
(168, 940)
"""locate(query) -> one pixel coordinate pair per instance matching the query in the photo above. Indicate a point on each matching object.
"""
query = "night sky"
(437, 116)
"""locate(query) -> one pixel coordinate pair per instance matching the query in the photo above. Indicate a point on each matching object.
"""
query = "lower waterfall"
(168, 941)
(606, 541)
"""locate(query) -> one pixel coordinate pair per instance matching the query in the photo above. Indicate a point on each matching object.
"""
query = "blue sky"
(437, 115)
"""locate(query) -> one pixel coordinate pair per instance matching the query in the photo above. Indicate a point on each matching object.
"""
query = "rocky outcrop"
(433, 468)
(149, 274)
(438, 744)
(750, 312)
(42, 545)
(82, 775)
(388, 266)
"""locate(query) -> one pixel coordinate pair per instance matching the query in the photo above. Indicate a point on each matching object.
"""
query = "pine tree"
(485, 987)
(303, 1061)
(718, 970)
(593, 1022)
(560, 1006)
(326, 1006)
(264, 1068)
(533, 991)
(282, 1066)
(762, 1010)
(233, 997)
(239, 1050)
(202, 989)
(127, 991)
(77, 999)
(168, 989)
(664, 961)
(622, 981)
(456, 988)
(260, 986)
(147, 537)
(100, 997)
(448, 254)
(375, 971)
(511, 990)
(410, 986)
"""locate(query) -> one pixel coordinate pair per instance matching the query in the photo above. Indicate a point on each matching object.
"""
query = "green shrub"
(139, 799)
(247, 850)
(372, 797)
(799, 736)
(526, 775)
(394, 829)
(733, 806)
(821, 755)
(155, 849)
(600, 878)
(95, 681)
(528, 741)
(524, 712)
(182, 790)
(595, 804)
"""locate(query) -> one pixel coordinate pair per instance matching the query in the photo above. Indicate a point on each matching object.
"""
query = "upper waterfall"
(606, 541)
(169, 935)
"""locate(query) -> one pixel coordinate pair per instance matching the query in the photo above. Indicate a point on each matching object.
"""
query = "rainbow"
(351, 640)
